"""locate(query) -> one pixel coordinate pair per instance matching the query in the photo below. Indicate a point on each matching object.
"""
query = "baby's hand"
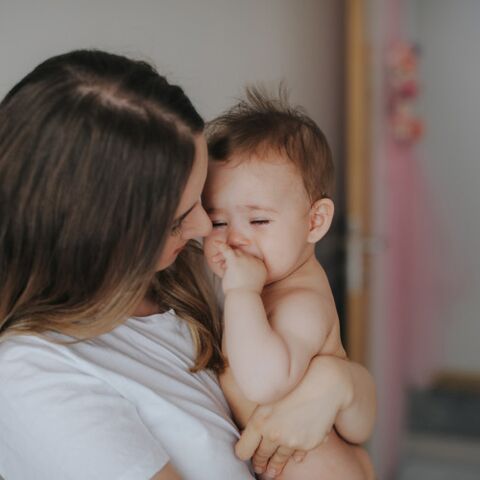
(241, 271)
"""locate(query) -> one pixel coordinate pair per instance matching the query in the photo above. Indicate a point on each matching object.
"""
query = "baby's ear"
(321, 216)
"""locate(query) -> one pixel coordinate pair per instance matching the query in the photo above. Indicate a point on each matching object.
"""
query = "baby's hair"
(261, 123)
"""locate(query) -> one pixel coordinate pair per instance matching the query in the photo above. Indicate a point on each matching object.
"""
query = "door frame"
(357, 180)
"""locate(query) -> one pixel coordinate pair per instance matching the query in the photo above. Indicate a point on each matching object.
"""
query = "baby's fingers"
(299, 455)
(223, 247)
(217, 257)
(278, 461)
(226, 251)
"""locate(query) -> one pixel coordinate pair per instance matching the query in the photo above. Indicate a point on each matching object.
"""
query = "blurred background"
(394, 85)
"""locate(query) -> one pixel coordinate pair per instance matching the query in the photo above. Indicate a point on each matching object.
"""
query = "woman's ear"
(321, 216)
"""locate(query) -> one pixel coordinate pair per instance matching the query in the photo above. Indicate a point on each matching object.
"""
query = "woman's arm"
(332, 392)
(66, 422)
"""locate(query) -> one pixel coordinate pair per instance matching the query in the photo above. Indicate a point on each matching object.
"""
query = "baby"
(268, 196)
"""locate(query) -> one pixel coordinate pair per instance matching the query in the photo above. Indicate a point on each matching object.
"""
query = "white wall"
(210, 47)
(449, 36)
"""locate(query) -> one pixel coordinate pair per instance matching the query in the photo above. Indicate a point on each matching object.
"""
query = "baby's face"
(260, 207)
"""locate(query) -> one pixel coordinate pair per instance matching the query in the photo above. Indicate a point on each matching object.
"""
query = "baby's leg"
(333, 460)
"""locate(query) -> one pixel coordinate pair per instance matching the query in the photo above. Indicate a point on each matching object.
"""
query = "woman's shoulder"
(24, 349)
(61, 414)
(35, 350)
(154, 344)
(127, 358)
(27, 361)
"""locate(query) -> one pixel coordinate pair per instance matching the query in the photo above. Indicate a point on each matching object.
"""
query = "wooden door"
(357, 179)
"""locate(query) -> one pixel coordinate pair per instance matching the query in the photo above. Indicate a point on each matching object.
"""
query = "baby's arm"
(267, 358)
(356, 418)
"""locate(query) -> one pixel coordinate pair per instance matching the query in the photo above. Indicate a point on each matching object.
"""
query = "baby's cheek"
(209, 252)
(208, 246)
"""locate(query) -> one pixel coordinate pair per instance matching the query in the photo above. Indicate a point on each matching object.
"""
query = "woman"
(108, 348)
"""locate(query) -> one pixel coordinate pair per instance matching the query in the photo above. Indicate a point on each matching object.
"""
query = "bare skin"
(167, 473)
(279, 312)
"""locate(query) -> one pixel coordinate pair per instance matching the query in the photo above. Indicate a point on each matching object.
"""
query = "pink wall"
(407, 282)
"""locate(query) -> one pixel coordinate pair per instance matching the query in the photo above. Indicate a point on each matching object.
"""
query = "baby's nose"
(236, 239)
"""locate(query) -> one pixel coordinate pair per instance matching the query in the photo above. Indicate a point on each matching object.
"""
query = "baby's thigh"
(333, 460)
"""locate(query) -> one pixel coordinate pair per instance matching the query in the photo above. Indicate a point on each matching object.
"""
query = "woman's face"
(191, 220)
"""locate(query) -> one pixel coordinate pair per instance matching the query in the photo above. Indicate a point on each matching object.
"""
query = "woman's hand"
(332, 390)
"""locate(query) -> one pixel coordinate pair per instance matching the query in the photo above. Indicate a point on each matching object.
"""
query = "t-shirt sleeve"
(59, 421)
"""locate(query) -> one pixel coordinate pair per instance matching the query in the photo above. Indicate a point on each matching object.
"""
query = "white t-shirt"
(116, 407)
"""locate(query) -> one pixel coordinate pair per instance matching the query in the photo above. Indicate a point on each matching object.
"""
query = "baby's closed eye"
(218, 223)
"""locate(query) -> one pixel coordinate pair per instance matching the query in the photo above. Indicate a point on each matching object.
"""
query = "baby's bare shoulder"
(311, 304)
(310, 314)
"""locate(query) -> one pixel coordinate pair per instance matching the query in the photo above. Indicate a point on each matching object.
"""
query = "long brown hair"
(95, 150)
(184, 287)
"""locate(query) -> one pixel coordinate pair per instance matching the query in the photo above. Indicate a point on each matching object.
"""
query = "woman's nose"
(200, 226)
